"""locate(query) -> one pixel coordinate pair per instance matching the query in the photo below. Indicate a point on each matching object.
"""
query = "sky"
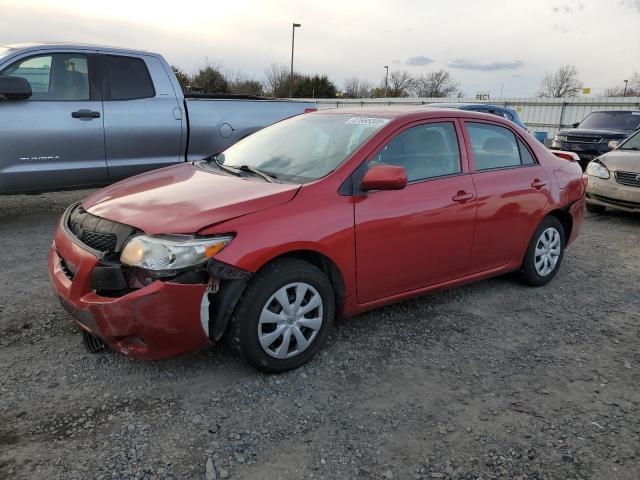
(487, 45)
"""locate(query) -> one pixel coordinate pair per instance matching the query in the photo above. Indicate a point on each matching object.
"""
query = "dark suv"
(590, 138)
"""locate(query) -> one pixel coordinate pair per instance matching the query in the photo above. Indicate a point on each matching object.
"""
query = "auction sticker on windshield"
(372, 121)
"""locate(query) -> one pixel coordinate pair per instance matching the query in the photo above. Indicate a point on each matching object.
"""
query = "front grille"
(583, 139)
(615, 201)
(97, 233)
(630, 179)
(104, 242)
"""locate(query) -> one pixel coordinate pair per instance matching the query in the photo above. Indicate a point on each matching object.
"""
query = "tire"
(263, 344)
(593, 208)
(535, 270)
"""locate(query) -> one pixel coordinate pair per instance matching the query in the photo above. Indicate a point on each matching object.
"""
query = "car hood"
(184, 199)
(587, 132)
(622, 160)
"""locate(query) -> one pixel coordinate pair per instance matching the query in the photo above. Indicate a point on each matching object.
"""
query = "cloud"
(635, 4)
(485, 67)
(419, 60)
(566, 8)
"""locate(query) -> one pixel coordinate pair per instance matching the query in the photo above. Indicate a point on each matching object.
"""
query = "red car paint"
(387, 245)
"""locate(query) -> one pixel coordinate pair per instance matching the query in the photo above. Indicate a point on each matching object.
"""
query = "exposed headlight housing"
(169, 253)
(597, 169)
(560, 138)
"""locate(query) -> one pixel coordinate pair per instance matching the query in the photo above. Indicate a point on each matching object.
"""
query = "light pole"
(293, 42)
(625, 88)
(386, 80)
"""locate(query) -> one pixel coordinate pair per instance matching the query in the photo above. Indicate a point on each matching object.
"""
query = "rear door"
(142, 118)
(512, 189)
(54, 139)
(419, 236)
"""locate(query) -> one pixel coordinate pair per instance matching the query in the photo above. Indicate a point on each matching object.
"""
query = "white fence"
(539, 114)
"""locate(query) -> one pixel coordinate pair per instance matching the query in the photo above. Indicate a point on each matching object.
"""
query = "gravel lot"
(491, 380)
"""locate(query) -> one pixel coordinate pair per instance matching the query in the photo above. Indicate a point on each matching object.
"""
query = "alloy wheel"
(547, 251)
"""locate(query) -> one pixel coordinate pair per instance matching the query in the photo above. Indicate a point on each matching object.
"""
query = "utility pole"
(625, 88)
(501, 87)
(293, 41)
(386, 81)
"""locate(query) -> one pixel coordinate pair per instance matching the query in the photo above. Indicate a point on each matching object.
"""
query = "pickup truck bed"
(95, 115)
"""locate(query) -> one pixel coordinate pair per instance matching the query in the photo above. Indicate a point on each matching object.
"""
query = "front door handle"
(538, 184)
(84, 113)
(462, 196)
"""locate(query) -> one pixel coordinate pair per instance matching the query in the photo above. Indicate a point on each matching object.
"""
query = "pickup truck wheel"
(544, 254)
(593, 208)
(283, 316)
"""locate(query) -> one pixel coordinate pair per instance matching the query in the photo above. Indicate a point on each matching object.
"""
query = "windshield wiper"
(267, 176)
(224, 167)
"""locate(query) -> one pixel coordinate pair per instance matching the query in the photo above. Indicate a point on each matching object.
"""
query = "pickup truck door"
(142, 117)
(54, 139)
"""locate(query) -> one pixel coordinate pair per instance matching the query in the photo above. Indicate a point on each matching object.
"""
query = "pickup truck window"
(128, 77)
(56, 77)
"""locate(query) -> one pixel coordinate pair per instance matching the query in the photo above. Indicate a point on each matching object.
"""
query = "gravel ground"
(491, 380)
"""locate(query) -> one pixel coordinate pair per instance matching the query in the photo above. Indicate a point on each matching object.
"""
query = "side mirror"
(613, 144)
(575, 125)
(384, 177)
(14, 88)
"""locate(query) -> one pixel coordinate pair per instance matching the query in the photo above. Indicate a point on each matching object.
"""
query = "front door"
(54, 139)
(419, 236)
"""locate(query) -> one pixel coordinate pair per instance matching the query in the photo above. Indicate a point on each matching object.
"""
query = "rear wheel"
(284, 316)
(593, 208)
(544, 254)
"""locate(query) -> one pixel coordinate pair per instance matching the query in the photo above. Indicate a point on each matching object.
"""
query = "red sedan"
(322, 215)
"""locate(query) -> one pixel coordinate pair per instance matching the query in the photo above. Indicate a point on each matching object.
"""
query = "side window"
(525, 154)
(55, 77)
(493, 146)
(425, 151)
(128, 77)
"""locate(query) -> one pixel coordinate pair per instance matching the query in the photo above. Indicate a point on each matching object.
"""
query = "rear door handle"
(462, 196)
(538, 184)
(84, 113)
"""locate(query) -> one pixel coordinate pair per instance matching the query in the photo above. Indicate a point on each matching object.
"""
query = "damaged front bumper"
(160, 319)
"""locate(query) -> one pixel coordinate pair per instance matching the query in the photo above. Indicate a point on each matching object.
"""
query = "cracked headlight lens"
(171, 252)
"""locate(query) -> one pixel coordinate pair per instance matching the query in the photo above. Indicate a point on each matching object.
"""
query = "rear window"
(129, 78)
(496, 147)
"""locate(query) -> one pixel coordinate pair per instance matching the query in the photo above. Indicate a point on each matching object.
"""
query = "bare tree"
(435, 84)
(400, 83)
(243, 84)
(563, 83)
(209, 78)
(356, 88)
(277, 77)
(633, 88)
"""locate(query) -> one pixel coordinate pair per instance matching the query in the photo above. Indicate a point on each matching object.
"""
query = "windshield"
(303, 148)
(613, 120)
(632, 143)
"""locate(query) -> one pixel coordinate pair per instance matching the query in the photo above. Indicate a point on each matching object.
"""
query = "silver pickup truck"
(76, 116)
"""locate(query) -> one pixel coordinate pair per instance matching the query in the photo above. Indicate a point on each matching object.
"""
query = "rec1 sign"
(482, 95)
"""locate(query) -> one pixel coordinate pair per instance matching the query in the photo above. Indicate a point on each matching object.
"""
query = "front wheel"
(284, 316)
(544, 254)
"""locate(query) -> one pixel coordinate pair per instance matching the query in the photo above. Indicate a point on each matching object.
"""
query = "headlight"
(171, 252)
(560, 138)
(597, 169)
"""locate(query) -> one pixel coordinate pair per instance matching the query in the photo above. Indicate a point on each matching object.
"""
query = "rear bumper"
(160, 320)
(577, 214)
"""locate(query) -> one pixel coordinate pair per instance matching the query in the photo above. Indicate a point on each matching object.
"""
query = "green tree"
(316, 86)
(209, 79)
(183, 78)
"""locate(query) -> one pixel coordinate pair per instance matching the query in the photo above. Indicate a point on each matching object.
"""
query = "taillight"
(309, 110)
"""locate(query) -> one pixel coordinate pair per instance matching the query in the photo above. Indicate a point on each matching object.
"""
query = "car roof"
(417, 112)
(80, 46)
(465, 104)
